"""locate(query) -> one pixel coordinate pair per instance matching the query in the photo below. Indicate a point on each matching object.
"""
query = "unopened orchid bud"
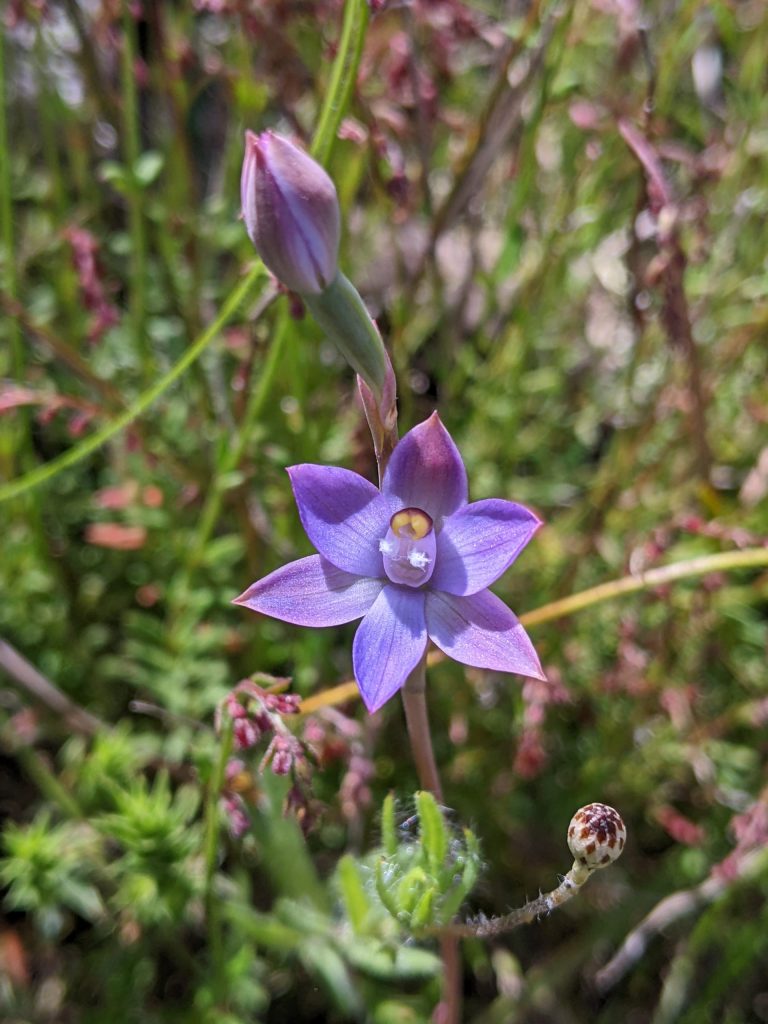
(596, 837)
(291, 212)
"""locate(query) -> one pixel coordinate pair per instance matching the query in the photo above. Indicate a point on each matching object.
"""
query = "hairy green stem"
(541, 906)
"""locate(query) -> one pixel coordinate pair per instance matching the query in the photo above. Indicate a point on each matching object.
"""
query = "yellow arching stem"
(751, 558)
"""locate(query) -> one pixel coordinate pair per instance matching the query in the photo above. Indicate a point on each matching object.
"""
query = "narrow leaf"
(353, 893)
(388, 834)
(434, 838)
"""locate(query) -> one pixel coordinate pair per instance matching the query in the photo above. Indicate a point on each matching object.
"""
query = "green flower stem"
(344, 295)
(45, 473)
(212, 808)
(343, 78)
(342, 314)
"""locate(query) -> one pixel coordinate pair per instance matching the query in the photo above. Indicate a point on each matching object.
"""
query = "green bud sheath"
(342, 314)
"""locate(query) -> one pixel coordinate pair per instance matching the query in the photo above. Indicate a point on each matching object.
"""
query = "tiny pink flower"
(237, 818)
(283, 753)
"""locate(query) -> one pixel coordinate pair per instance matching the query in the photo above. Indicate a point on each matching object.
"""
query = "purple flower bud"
(291, 212)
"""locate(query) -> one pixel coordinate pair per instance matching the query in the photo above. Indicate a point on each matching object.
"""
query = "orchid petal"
(480, 630)
(479, 542)
(344, 516)
(311, 592)
(389, 643)
(426, 471)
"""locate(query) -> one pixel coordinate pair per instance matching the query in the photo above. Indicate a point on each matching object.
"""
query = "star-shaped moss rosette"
(413, 560)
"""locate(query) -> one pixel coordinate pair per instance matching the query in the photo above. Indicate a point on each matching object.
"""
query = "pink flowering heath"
(414, 560)
(291, 212)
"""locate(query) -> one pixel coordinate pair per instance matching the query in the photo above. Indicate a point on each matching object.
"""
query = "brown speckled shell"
(596, 835)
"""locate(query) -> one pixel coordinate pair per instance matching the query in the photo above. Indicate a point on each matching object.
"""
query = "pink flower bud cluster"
(254, 712)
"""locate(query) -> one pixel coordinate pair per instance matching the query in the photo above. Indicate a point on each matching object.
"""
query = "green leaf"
(390, 1012)
(228, 481)
(383, 889)
(409, 890)
(264, 929)
(353, 892)
(113, 174)
(434, 837)
(388, 833)
(386, 963)
(422, 913)
(323, 962)
(300, 915)
(84, 899)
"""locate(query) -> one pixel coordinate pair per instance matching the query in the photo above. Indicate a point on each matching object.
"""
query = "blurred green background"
(556, 213)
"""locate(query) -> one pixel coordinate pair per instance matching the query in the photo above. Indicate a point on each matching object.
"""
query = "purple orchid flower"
(413, 559)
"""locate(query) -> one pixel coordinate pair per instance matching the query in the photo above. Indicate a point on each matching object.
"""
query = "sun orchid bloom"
(291, 212)
(413, 560)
